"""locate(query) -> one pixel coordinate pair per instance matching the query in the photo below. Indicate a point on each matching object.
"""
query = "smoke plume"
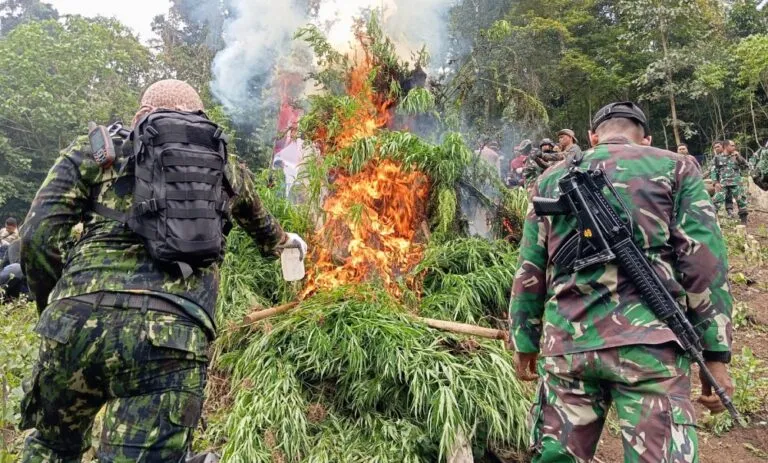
(258, 39)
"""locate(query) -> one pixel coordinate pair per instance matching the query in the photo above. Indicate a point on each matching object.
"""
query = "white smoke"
(258, 36)
(410, 24)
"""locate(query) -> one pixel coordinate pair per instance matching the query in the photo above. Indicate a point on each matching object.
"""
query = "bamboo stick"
(258, 315)
(443, 325)
(464, 328)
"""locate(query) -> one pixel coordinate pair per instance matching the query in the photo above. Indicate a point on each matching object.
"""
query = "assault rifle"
(604, 237)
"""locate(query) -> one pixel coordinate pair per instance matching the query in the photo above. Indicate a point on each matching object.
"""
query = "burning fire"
(371, 227)
(373, 218)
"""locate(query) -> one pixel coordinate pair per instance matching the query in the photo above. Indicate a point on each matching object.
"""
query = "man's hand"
(708, 398)
(292, 240)
(718, 187)
(525, 365)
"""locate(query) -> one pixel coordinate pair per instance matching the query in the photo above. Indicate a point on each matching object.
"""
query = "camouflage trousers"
(650, 386)
(727, 195)
(148, 368)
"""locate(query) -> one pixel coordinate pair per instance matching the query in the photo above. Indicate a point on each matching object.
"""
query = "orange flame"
(372, 219)
(371, 228)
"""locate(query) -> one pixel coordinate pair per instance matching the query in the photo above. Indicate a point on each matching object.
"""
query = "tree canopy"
(515, 69)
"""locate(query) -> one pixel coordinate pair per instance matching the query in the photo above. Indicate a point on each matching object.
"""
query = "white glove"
(295, 241)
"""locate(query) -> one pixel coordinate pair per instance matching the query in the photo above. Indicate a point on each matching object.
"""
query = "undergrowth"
(750, 397)
(18, 351)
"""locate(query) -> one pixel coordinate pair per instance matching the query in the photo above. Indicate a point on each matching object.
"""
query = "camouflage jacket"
(108, 256)
(598, 307)
(572, 151)
(728, 169)
(537, 163)
(531, 170)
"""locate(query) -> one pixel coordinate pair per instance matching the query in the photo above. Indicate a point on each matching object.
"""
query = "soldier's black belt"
(132, 301)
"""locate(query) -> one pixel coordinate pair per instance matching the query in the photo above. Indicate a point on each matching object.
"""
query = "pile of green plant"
(351, 374)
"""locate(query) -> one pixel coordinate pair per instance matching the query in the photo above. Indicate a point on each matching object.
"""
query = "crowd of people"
(724, 168)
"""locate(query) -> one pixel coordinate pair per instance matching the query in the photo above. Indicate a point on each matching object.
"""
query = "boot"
(729, 212)
(743, 218)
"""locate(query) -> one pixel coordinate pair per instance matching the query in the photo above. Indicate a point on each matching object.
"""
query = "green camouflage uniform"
(146, 366)
(536, 164)
(727, 170)
(531, 170)
(759, 168)
(599, 342)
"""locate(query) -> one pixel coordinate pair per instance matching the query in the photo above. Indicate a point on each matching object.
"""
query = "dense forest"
(369, 359)
(511, 69)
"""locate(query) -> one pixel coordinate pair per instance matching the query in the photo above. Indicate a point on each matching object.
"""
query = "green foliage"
(752, 56)
(750, 378)
(418, 101)
(468, 280)
(13, 13)
(18, 351)
(351, 371)
(56, 77)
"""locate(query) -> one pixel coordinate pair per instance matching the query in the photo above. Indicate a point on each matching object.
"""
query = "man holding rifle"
(597, 330)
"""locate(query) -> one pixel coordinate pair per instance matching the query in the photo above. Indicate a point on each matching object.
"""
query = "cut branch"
(453, 327)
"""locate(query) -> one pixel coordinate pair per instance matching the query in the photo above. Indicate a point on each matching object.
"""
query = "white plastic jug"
(293, 264)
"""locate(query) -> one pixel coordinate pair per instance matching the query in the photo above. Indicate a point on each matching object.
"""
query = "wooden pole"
(463, 328)
(443, 325)
(258, 315)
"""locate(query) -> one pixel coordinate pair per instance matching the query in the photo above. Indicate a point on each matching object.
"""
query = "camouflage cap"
(546, 141)
(570, 133)
(169, 94)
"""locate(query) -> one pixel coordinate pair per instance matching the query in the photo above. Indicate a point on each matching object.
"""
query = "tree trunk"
(672, 103)
(675, 125)
(754, 124)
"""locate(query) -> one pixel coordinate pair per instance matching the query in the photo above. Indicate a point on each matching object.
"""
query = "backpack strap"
(109, 213)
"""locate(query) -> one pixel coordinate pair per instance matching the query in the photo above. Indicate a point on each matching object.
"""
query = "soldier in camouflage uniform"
(759, 167)
(727, 174)
(569, 145)
(117, 330)
(599, 342)
(540, 161)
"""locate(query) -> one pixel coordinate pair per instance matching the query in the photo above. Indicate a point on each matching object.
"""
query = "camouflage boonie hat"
(570, 133)
(546, 141)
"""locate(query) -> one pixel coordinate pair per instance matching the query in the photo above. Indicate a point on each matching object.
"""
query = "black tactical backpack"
(180, 189)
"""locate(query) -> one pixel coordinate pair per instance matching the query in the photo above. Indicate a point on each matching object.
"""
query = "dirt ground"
(738, 445)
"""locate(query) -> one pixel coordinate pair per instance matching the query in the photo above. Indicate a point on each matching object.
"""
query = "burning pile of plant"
(352, 373)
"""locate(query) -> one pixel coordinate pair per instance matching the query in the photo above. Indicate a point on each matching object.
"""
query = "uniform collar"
(618, 140)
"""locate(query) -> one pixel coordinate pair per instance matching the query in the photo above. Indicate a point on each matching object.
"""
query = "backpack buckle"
(149, 134)
(148, 206)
